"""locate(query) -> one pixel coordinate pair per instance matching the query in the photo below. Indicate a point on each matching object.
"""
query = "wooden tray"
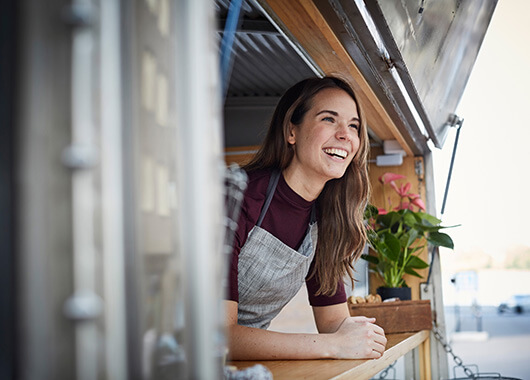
(396, 316)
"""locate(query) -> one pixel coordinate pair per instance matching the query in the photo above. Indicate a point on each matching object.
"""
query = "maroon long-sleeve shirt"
(287, 219)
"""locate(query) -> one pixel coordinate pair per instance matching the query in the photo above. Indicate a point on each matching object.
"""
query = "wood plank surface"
(397, 346)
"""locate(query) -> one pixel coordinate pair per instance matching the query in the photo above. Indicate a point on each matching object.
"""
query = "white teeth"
(336, 152)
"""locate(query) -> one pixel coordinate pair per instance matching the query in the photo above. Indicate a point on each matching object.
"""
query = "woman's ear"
(291, 139)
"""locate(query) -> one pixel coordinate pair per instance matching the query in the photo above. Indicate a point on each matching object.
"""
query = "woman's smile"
(336, 153)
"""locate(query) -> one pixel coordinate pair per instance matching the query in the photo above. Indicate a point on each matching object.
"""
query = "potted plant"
(397, 235)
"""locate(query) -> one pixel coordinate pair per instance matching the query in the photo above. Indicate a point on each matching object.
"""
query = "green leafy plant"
(397, 235)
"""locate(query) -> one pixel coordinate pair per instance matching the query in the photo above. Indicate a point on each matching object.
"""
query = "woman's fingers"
(361, 338)
(379, 330)
(375, 355)
(378, 347)
(371, 323)
(377, 340)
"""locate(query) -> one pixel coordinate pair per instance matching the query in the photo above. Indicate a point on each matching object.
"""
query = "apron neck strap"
(273, 182)
(313, 213)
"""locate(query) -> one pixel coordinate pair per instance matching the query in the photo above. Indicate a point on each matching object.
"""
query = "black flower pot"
(402, 293)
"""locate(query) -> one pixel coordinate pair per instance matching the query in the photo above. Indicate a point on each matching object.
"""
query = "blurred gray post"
(84, 306)
(112, 190)
(200, 184)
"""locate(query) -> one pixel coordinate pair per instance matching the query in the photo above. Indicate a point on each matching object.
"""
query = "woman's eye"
(356, 126)
(328, 118)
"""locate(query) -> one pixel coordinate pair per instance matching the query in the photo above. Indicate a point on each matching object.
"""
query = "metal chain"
(449, 350)
(384, 373)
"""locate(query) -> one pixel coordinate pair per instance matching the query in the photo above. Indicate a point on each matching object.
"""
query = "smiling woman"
(307, 183)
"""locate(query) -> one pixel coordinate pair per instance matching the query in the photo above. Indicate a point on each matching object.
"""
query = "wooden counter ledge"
(397, 346)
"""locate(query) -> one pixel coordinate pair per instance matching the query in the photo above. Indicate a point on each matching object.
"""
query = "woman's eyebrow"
(334, 113)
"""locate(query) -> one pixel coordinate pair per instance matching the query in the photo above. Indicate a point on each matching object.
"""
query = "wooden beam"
(425, 359)
(308, 26)
(240, 155)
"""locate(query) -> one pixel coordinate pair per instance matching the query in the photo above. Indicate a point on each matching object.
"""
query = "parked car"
(517, 303)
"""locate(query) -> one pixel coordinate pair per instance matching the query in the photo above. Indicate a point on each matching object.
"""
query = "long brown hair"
(341, 204)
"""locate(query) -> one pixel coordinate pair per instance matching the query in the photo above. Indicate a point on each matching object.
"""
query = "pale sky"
(490, 187)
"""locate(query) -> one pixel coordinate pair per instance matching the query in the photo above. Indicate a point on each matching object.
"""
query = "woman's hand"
(358, 338)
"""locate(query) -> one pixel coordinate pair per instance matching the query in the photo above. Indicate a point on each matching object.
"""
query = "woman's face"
(327, 139)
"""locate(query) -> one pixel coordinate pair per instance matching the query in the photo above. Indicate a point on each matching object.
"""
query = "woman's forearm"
(247, 343)
(356, 338)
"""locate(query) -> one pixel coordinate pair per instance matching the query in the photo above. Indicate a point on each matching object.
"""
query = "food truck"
(119, 119)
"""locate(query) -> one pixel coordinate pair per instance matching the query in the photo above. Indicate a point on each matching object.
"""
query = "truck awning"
(409, 60)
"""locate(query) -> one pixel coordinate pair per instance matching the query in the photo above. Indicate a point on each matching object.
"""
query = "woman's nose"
(343, 132)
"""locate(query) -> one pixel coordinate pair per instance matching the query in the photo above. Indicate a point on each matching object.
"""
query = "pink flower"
(418, 202)
(382, 211)
(403, 190)
(390, 177)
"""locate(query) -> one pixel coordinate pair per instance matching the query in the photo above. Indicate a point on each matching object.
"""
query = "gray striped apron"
(270, 273)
